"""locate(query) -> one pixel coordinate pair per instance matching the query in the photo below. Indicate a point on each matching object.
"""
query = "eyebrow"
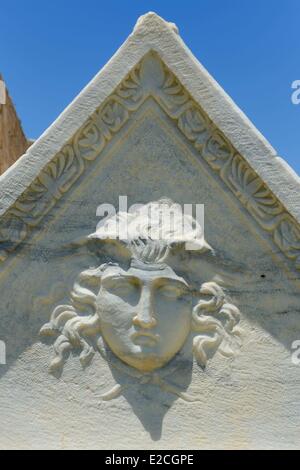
(120, 276)
(179, 282)
(137, 280)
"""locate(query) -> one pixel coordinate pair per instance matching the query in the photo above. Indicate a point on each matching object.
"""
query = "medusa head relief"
(139, 311)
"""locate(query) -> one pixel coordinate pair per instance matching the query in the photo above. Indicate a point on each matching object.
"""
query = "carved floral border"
(150, 77)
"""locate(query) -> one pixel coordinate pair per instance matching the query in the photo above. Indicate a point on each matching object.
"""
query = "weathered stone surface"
(139, 343)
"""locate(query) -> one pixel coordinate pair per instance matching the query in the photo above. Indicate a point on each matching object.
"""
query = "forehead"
(143, 274)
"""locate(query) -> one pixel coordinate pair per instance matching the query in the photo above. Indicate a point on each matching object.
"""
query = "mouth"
(143, 338)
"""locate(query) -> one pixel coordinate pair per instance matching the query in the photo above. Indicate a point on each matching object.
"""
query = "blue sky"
(49, 50)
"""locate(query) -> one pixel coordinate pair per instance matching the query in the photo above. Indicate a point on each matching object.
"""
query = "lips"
(143, 338)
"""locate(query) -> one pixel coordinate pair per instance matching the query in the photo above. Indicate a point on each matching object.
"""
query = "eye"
(120, 287)
(172, 291)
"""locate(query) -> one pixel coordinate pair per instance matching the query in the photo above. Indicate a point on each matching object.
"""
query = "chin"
(145, 362)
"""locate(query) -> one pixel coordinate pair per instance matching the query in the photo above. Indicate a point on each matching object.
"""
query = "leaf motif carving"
(90, 141)
(130, 92)
(13, 231)
(217, 151)
(194, 126)
(253, 193)
(287, 238)
(113, 116)
(172, 96)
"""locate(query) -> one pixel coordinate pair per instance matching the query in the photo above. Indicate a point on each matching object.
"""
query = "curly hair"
(214, 322)
(77, 326)
(74, 323)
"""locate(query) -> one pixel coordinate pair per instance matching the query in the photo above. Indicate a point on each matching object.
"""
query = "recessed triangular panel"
(132, 337)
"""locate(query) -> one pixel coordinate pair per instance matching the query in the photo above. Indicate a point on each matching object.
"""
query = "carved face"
(145, 315)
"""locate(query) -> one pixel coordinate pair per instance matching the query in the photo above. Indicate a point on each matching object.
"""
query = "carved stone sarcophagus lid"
(149, 268)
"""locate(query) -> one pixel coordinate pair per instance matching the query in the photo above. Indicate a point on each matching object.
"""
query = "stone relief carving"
(151, 77)
(137, 310)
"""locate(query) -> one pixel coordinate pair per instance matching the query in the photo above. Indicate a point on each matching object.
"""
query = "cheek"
(183, 316)
(174, 317)
(114, 312)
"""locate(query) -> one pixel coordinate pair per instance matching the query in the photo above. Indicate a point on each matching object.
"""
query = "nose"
(145, 317)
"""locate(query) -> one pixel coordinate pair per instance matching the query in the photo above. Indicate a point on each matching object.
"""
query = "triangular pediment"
(128, 327)
(154, 64)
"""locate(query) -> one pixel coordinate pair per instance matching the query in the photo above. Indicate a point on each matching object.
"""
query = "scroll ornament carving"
(151, 77)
